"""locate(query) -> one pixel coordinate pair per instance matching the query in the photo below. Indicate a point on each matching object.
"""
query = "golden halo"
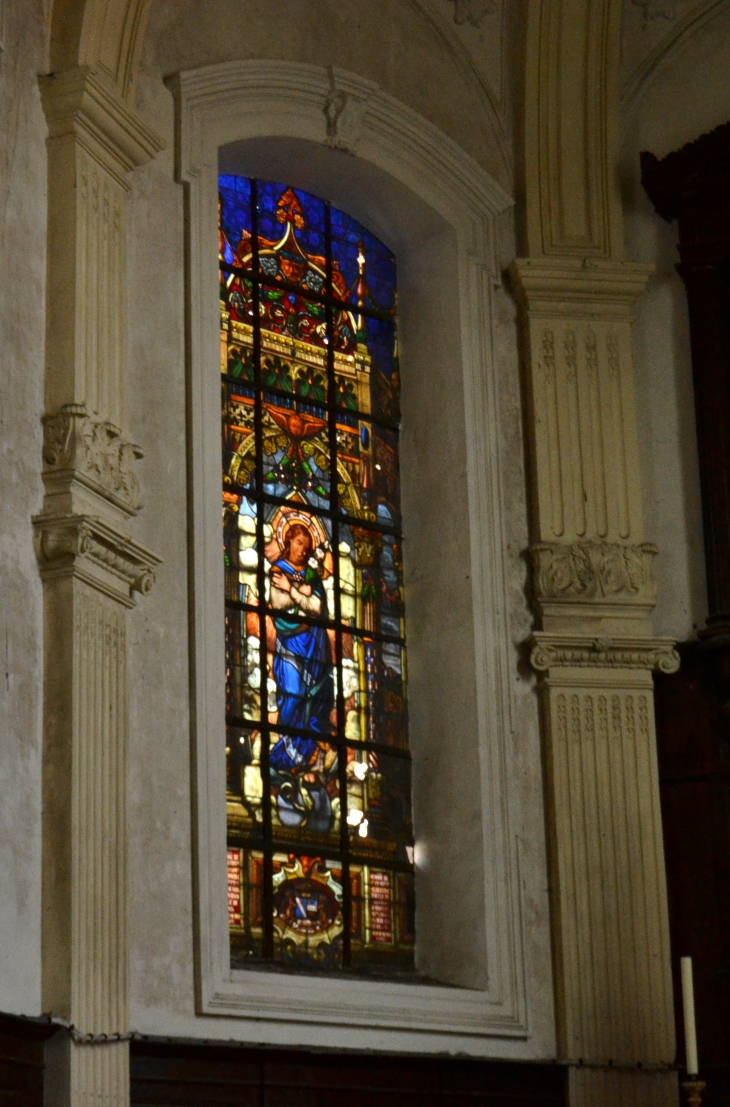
(286, 517)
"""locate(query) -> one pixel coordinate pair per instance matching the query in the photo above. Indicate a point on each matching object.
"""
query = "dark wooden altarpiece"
(189, 1076)
(692, 186)
(193, 1074)
(21, 1060)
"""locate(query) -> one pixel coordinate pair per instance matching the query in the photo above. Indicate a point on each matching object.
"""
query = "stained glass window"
(320, 842)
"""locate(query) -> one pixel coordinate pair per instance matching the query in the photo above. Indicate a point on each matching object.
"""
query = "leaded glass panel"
(320, 840)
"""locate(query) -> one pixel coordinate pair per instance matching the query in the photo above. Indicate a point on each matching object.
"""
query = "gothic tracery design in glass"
(320, 845)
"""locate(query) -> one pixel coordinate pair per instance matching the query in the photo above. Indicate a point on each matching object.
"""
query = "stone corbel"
(559, 651)
(91, 550)
(93, 452)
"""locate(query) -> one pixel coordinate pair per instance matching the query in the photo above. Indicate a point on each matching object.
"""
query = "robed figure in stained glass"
(302, 669)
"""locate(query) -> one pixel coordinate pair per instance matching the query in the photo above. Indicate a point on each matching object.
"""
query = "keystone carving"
(344, 114)
(556, 651)
(91, 550)
(93, 451)
(594, 571)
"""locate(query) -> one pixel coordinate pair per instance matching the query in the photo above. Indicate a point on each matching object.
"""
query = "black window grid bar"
(310, 509)
(253, 276)
(376, 419)
(327, 624)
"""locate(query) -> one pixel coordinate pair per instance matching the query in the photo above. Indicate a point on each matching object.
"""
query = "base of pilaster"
(86, 1075)
(596, 1087)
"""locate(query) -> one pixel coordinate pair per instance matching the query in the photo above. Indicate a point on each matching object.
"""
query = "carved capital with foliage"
(90, 550)
(603, 572)
(94, 452)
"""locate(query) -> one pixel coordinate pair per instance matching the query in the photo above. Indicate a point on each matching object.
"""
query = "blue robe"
(302, 669)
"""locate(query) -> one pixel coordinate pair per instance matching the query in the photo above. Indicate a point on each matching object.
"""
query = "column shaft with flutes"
(92, 568)
(593, 648)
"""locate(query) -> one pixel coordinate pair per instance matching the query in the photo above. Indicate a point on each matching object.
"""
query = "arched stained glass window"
(320, 846)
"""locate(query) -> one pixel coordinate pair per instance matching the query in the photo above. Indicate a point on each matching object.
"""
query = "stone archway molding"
(102, 36)
(332, 114)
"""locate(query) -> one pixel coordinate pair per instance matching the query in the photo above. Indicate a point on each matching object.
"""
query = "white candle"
(690, 1031)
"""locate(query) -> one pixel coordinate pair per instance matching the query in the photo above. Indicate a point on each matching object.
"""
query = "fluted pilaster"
(594, 653)
(91, 568)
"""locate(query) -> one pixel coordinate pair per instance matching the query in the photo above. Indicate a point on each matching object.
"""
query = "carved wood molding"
(79, 447)
(557, 651)
(91, 550)
(594, 571)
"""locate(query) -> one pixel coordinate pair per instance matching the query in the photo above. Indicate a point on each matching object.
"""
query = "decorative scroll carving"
(95, 552)
(94, 451)
(564, 651)
(593, 571)
(473, 11)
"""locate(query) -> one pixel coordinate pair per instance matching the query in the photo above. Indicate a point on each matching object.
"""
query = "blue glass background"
(235, 193)
(379, 262)
(310, 237)
(380, 339)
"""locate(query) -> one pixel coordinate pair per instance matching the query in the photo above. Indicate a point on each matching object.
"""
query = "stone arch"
(103, 35)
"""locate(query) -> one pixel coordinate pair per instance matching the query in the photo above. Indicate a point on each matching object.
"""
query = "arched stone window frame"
(424, 196)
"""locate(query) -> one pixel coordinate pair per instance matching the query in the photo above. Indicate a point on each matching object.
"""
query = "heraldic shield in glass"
(320, 840)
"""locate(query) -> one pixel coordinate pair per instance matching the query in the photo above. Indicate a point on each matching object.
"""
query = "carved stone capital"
(594, 572)
(553, 651)
(90, 550)
(78, 446)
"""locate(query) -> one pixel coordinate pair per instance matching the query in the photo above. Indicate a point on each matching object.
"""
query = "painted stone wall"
(666, 105)
(22, 327)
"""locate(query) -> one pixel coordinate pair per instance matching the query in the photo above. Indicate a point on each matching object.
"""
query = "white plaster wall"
(528, 798)
(395, 43)
(160, 824)
(686, 96)
(22, 327)
(182, 35)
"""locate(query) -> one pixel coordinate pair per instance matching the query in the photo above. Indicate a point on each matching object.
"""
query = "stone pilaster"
(92, 568)
(594, 654)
